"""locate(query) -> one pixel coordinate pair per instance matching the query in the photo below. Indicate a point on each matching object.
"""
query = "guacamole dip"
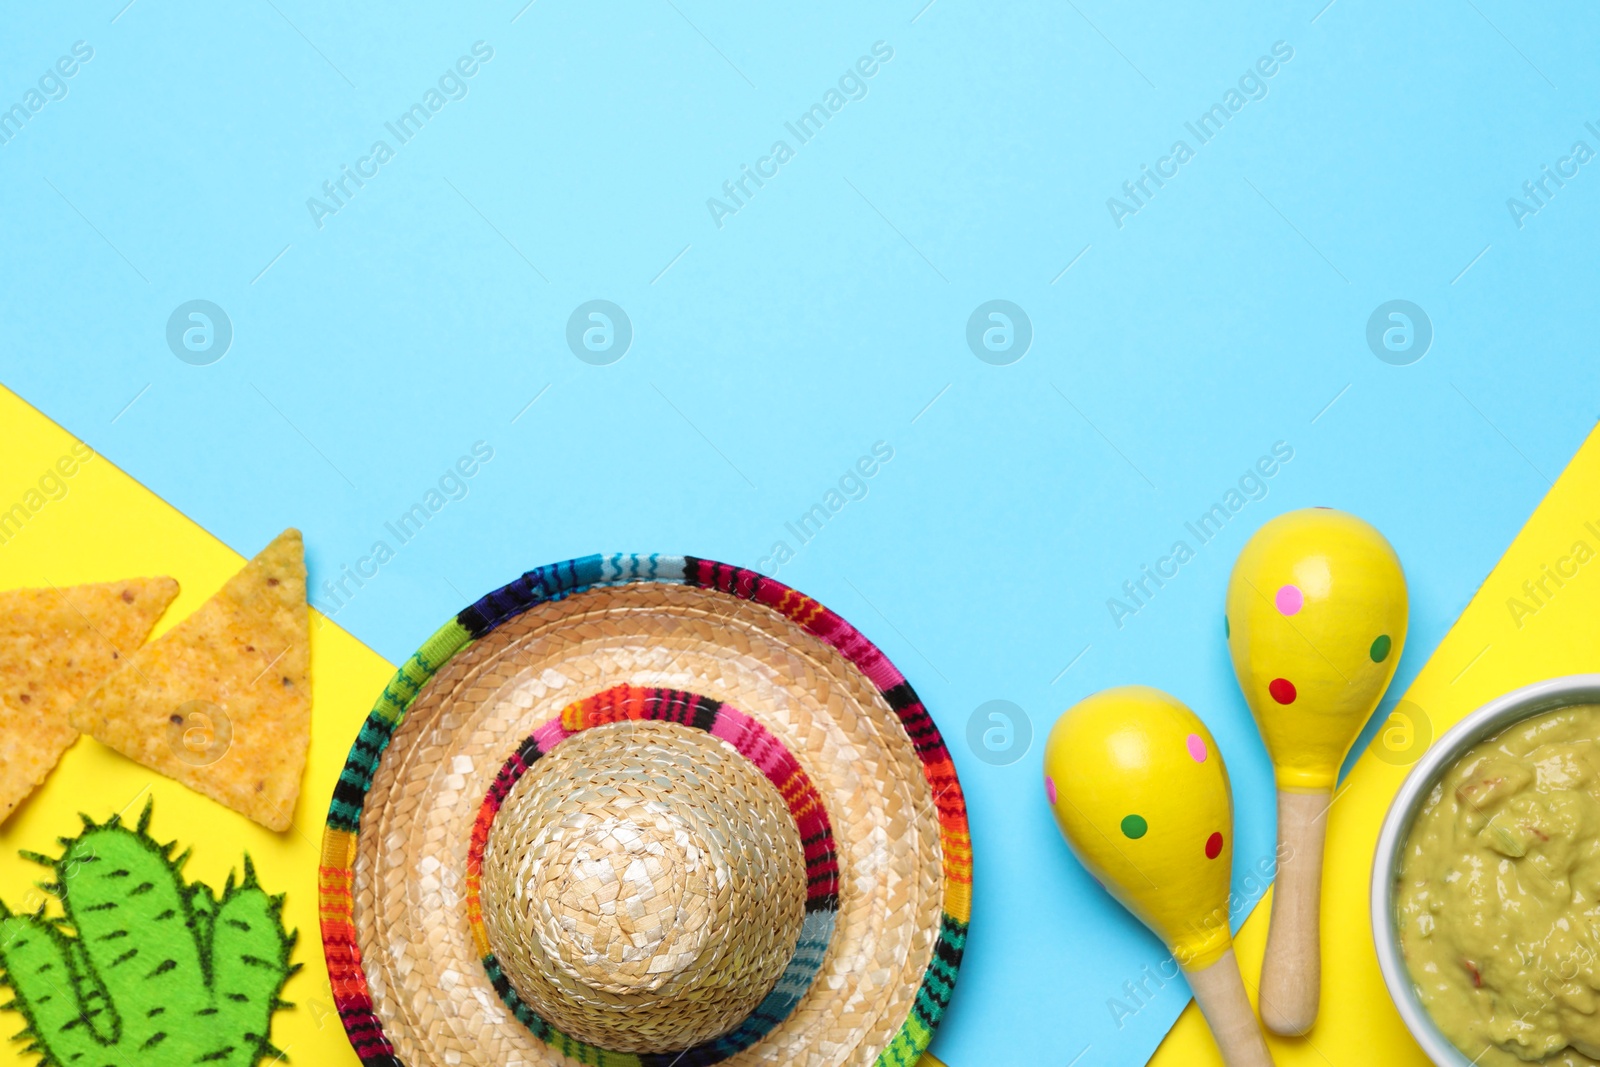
(1499, 895)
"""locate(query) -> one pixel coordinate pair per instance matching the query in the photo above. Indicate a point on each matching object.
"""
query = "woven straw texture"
(764, 752)
(410, 989)
(644, 886)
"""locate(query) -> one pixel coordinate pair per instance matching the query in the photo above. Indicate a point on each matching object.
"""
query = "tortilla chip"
(55, 644)
(222, 701)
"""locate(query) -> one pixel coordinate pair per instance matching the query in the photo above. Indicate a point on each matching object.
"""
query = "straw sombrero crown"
(645, 811)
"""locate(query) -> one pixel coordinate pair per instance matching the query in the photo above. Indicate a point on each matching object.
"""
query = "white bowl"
(1480, 725)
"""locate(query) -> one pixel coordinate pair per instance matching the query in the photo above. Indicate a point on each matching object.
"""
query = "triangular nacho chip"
(55, 644)
(222, 701)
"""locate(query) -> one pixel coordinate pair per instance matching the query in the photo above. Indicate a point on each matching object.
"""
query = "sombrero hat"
(645, 811)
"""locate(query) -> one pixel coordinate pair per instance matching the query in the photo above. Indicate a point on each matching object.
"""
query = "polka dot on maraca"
(1290, 600)
(1282, 690)
(1213, 846)
(1197, 748)
(1050, 789)
(1134, 827)
(1380, 648)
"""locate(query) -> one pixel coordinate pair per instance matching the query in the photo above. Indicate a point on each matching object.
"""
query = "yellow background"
(109, 527)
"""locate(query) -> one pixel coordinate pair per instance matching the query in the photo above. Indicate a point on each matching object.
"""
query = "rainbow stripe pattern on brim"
(629, 703)
(336, 875)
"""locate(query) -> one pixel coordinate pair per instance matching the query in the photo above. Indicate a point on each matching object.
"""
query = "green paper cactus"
(144, 969)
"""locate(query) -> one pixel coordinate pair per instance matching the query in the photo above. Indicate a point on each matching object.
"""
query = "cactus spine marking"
(144, 969)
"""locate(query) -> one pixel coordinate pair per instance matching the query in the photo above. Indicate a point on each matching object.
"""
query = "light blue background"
(825, 316)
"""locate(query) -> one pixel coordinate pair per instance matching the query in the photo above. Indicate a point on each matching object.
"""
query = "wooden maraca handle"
(1219, 990)
(1291, 974)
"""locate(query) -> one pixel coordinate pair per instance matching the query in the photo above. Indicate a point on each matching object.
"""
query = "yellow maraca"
(1316, 620)
(1141, 795)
